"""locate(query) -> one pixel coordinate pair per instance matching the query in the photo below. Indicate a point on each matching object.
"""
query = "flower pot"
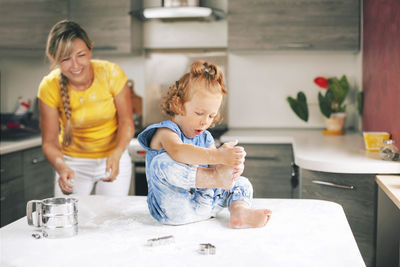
(334, 124)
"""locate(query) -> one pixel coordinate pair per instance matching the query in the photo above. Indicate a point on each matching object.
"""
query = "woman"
(86, 116)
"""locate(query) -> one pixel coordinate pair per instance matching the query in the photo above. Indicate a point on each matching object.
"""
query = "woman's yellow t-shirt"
(93, 112)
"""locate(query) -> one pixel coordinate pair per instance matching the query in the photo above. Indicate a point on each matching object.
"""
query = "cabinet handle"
(295, 45)
(350, 187)
(2, 170)
(262, 158)
(37, 160)
(2, 198)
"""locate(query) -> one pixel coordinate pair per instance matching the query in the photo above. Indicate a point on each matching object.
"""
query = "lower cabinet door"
(12, 201)
(357, 193)
(38, 175)
(269, 169)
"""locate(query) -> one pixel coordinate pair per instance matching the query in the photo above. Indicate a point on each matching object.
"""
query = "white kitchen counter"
(390, 184)
(113, 232)
(317, 152)
(12, 146)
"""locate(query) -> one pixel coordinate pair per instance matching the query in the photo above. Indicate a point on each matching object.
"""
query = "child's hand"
(231, 154)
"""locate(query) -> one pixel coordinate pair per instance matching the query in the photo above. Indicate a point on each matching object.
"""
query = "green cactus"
(299, 105)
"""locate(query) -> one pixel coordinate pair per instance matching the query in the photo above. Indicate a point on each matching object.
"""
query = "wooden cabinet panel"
(359, 203)
(11, 166)
(38, 175)
(12, 200)
(29, 176)
(107, 23)
(293, 24)
(25, 24)
(269, 169)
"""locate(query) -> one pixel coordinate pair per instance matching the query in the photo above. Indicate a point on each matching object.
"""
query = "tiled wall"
(381, 66)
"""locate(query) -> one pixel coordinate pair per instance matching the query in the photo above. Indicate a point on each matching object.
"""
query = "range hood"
(179, 9)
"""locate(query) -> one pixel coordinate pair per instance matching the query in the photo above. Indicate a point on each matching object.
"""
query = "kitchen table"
(113, 231)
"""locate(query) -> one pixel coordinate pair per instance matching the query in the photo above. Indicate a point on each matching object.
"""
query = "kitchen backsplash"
(258, 83)
(20, 76)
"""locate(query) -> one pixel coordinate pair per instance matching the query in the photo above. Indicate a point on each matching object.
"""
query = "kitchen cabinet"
(108, 24)
(388, 221)
(270, 169)
(357, 193)
(25, 175)
(25, 24)
(293, 24)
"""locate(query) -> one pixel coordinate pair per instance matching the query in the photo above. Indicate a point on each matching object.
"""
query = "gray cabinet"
(270, 169)
(357, 193)
(12, 188)
(108, 24)
(25, 175)
(294, 24)
(25, 24)
(388, 232)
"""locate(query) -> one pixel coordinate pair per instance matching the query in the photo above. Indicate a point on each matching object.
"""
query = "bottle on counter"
(389, 151)
(23, 106)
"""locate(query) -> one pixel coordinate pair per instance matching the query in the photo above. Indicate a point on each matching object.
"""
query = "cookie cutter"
(207, 249)
(164, 240)
(36, 235)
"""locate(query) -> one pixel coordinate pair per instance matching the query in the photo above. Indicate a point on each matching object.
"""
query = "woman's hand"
(66, 174)
(112, 167)
(125, 132)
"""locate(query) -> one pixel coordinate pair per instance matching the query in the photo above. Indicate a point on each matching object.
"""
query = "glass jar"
(389, 151)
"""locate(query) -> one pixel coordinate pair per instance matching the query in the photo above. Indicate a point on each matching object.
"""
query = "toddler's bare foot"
(244, 217)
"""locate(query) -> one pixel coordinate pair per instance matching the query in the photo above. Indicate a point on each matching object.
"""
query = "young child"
(182, 188)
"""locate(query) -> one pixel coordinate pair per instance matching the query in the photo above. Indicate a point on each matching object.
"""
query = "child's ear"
(178, 107)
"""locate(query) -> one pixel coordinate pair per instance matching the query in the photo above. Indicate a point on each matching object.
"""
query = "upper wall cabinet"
(25, 24)
(107, 23)
(293, 24)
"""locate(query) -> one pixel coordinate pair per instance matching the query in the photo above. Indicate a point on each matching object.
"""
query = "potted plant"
(331, 103)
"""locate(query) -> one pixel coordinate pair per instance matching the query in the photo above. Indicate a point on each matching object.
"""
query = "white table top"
(317, 152)
(113, 232)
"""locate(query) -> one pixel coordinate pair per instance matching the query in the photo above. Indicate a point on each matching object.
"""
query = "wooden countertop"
(390, 184)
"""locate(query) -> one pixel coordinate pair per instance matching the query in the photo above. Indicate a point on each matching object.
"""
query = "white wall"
(259, 84)
(21, 75)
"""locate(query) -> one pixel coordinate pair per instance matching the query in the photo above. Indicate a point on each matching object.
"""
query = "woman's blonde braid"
(67, 138)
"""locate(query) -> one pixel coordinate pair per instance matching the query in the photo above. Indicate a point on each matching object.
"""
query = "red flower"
(321, 82)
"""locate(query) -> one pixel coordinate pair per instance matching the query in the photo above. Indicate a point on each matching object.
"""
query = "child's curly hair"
(207, 74)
